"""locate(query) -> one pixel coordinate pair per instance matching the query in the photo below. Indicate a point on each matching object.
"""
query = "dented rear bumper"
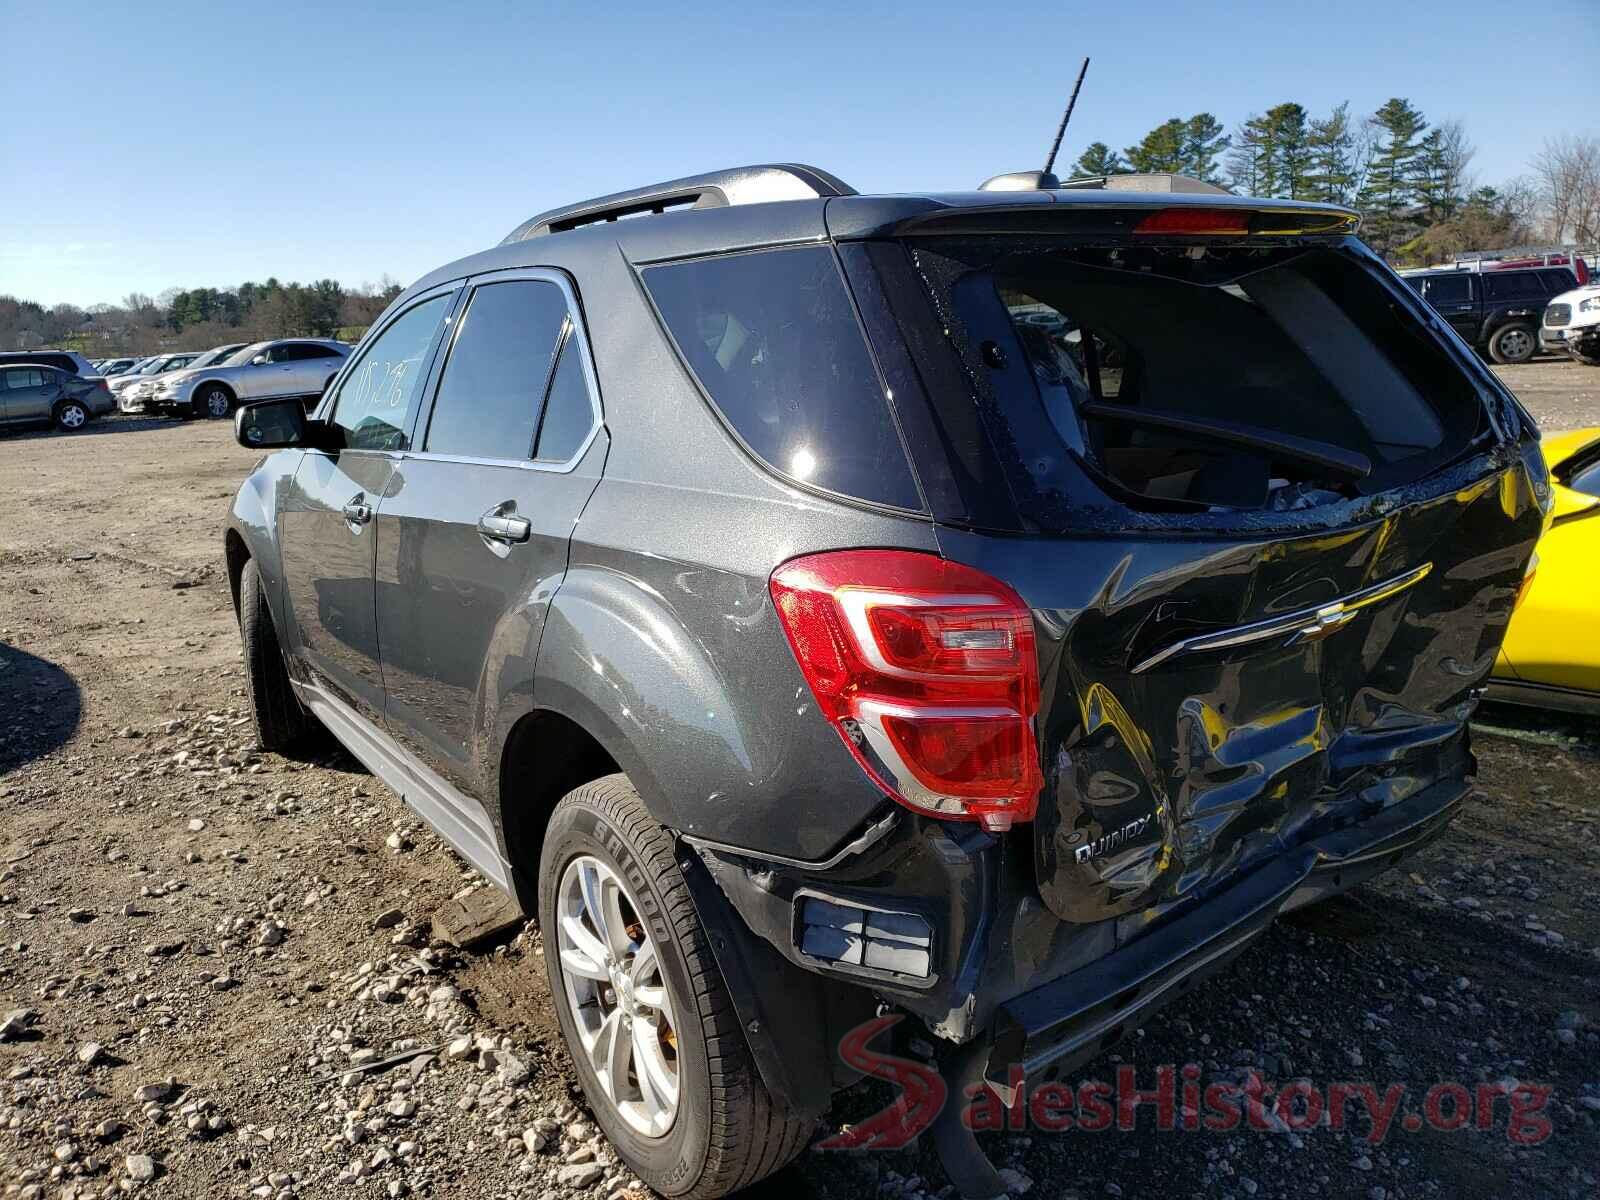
(996, 966)
(1063, 1024)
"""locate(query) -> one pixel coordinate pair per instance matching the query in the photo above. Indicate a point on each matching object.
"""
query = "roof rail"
(1549, 255)
(716, 189)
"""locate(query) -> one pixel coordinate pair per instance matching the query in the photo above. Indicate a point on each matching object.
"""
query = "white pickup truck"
(1571, 324)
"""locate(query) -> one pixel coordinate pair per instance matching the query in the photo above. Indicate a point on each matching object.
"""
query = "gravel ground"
(208, 953)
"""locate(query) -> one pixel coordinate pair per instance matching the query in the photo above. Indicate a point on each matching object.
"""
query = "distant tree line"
(197, 318)
(1410, 181)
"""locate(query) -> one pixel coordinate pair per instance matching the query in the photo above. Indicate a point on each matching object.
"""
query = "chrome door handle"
(358, 512)
(500, 528)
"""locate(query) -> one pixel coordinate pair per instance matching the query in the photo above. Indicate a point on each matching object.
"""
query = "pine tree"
(1331, 147)
(1203, 143)
(1290, 149)
(1253, 161)
(1392, 193)
(1442, 170)
(1099, 159)
(1161, 150)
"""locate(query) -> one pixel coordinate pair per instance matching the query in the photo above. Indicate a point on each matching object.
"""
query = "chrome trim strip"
(1303, 625)
(871, 836)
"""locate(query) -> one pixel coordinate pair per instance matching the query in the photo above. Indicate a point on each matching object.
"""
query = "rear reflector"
(865, 937)
(928, 670)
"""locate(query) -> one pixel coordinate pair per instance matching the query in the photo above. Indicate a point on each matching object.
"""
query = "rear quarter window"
(774, 342)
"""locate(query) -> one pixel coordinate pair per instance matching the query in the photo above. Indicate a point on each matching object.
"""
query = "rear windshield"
(1194, 377)
(776, 345)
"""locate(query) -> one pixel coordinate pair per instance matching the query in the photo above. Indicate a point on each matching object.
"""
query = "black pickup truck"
(1496, 310)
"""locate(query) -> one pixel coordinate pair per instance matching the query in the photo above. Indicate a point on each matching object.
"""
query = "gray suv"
(962, 621)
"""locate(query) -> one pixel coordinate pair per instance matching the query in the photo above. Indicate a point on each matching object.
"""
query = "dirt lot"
(209, 938)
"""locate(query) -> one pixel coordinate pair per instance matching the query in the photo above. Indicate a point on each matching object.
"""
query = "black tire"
(728, 1131)
(280, 722)
(1513, 343)
(69, 416)
(212, 400)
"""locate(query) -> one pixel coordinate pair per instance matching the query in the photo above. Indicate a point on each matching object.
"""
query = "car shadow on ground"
(100, 425)
(42, 706)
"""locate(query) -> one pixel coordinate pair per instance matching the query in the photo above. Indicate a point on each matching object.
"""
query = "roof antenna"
(1032, 181)
(1050, 160)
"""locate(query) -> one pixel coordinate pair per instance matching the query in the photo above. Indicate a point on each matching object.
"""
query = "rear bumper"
(1073, 1019)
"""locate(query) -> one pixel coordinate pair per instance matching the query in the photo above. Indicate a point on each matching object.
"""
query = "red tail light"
(1195, 220)
(928, 670)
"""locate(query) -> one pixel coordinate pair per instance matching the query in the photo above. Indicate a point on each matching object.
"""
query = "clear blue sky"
(153, 145)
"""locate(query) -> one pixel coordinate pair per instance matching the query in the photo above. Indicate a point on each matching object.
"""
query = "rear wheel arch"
(546, 755)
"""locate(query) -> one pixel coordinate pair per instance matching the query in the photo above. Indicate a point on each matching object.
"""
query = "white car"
(1571, 324)
(122, 386)
(138, 394)
(266, 370)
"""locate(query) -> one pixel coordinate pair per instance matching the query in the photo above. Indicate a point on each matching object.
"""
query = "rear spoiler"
(1106, 212)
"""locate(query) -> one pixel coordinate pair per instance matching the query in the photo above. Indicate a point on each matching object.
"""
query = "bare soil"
(148, 852)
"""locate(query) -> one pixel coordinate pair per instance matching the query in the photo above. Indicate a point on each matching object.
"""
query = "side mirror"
(259, 360)
(273, 425)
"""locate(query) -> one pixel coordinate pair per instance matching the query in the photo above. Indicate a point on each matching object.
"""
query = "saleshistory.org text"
(1179, 1099)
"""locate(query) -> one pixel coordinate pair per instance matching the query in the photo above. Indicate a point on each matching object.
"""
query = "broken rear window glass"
(1200, 377)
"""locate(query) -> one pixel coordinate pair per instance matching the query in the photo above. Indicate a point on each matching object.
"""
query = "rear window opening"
(1201, 377)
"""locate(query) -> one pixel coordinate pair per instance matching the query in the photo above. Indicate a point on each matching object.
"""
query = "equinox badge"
(1111, 841)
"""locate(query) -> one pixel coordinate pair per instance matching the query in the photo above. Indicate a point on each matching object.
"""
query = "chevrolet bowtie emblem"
(1307, 625)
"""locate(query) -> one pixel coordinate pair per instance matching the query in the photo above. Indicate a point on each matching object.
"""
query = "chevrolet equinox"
(988, 610)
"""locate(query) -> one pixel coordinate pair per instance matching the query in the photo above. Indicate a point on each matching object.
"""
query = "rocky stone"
(141, 1168)
(16, 1023)
(582, 1175)
(1016, 1183)
(90, 1053)
(511, 1070)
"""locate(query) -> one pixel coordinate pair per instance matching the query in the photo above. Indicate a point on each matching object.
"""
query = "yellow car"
(1551, 656)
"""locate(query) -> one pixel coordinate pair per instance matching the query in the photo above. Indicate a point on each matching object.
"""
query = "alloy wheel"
(73, 417)
(617, 996)
(1516, 344)
(217, 402)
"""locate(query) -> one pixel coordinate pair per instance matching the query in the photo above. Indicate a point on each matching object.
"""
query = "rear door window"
(1512, 285)
(18, 378)
(569, 410)
(498, 370)
(774, 341)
